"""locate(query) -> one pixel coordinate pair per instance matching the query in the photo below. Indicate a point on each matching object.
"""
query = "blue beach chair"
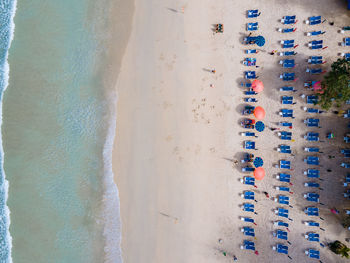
(315, 33)
(312, 149)
(313, 20)
(287, 100)
(280, 234)
(312, 253)
(312, 160)
(249, 195)
(314, 71)
(346, 42)
(282, 212)
(311, 122)
(248, 134)
(346, 56)
(283, 177)
(287, 53)
(283, 189)
(312, 110)
(312, 136)
(248, 245)
(345, 165)
(287, 30)
(252, 26)
(287, 43)
(250, 75)
(312, 184)
(312, 197)
(312, 173)
(315, 60)
(311, 236)
(247, 219)
(285, 124)
(248, 180)
(287, 20)
(281, 249)
(248, 169)
(286, 113)
(284, 149)
(249, 145)
(284, 164)
(311, 99)
(248, 231)
(312, 223)
(253, 13)
(250, 93)
(282, 199)
(251, 51)
(288, 88)
(281, 223)
(311, 211)
(288, 63)
(248, 207)
(288, 76)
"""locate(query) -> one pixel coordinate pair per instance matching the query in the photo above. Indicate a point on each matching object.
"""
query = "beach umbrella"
(258, 162)
(260, 41)
(259, 113)
(259, 173)
(259, 126)
(257, 85)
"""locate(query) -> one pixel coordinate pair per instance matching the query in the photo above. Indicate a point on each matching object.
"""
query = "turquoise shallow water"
(55, 126)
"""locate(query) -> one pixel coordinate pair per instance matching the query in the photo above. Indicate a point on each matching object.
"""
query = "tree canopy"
(336, 85)
(339, 248)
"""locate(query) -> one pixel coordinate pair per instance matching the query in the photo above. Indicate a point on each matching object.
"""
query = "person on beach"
(266, 194)
(235, 258)
(273, 52)
(213, 71)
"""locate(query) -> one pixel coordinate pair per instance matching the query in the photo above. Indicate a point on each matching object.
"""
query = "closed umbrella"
(259, 173)
(257, 85)
(259, 126)
(259, 113)
(258, 162)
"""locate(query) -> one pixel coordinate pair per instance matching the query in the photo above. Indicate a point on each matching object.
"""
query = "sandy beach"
(178, 132)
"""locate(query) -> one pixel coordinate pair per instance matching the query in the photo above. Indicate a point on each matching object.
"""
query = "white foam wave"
(111, 213)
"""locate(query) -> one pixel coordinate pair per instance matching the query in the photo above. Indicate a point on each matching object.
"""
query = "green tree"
(339, 248)
(336, 85)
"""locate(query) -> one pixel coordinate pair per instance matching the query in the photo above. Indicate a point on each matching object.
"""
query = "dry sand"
(178, 132)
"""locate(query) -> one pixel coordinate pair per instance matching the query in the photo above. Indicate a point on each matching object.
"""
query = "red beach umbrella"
(259, 113)
(259, 173)
(257, 85)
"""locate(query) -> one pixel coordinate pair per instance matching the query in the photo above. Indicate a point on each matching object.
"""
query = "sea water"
(57, 132)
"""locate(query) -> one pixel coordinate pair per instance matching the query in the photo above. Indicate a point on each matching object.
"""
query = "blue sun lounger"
(287, 53)
(287, 100)
(319, 46)
(312, 173)
(311, 211)
(312, 253)
(248, 245)
(249, 145)
(281, 249)
(287, 20)
(283, 177)
(314, 71)
(287, 63)
(285, 135)
(311, 122)
(251, 51)
(311, 99)
(311, 236)
(249, 195)
(312, 184)
(282, 212)
(287, 30)
(248, 207)
(313, 20)
(250, 75)
(284, 164)
(312, 223)
(252, 26)
(312, 197)
(248, 231)
(282, 199)
(288, 88)
(287, 76)
(286, 113)
(284, 149)
(315, 42)
(345, 151)
(312, 110)
(281, 234)
(253, 13)
(286, 124)
(345, 165)
(315, 33)
(248, 169)
(347, 139)
(347, 114)
(315, 60)
(283, 189)
(312, 136)
(248, 180)
(281, 223)
(312, 149)
(346, 42)
(287, 43)
(250, 93)
(247, 219)
(312, 160)
(346, 56)
(247, 84)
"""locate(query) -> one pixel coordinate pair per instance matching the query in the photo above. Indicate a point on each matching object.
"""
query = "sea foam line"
(5, 74)
(111, 213)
